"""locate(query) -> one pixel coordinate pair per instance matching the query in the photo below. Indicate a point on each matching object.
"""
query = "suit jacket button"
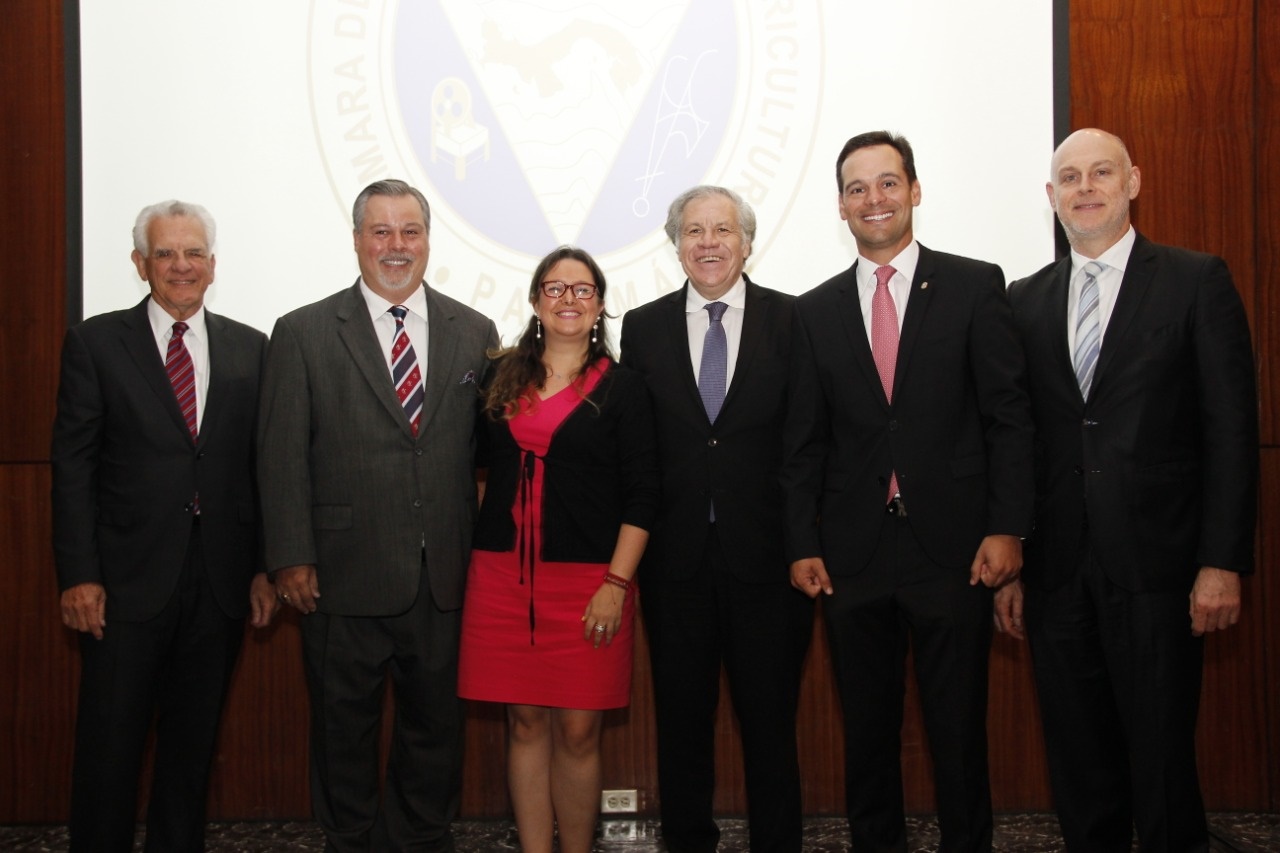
(417, 503)
(1078, 470)
(417, 451)
(711, 442)
(893, 426)
(200, 454)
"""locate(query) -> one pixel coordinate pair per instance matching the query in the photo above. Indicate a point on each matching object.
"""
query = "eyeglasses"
(580, 289)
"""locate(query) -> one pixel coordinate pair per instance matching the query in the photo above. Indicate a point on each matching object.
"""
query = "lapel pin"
(924, 285)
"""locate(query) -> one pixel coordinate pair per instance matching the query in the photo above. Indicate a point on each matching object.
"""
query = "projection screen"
(530, 124)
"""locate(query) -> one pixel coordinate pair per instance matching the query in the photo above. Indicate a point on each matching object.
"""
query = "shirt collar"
(735, 297)
(905, 263)
(1116, 257)
(416, 303)
(162, 321)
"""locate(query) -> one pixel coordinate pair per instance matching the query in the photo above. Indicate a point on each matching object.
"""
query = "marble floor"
(1014, 833)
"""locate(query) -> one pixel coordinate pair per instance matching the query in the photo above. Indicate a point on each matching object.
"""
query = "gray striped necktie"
(1088, 329)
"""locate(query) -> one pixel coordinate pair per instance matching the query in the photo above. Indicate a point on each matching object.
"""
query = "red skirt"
(508, 656)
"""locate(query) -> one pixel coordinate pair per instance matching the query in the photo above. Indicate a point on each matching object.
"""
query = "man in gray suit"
(369, 495)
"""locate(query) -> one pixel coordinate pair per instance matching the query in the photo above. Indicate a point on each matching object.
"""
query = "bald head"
(1091, 182)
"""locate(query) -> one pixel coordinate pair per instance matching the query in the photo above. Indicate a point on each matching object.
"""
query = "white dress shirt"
(196, 339)
(904, 265)
(1114, 261)
(384, 324)
(698, 320)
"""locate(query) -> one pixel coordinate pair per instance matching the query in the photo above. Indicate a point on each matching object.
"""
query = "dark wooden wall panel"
(1175, 79)
(1190, 85)
(39, 664)
(1266, 586)
(32, 189)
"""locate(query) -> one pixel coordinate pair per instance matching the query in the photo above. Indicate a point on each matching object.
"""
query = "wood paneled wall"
(1190, 86)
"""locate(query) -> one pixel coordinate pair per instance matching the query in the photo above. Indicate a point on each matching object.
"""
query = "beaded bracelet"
(617, 580)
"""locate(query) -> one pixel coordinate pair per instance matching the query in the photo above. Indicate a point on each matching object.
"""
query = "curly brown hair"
(518, 370)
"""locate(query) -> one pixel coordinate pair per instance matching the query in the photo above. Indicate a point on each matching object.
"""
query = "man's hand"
(1008, 610)
(1215, 601)
(297, 587)
(810, 576)
(263, 603)
(84, 608)
(998, 561)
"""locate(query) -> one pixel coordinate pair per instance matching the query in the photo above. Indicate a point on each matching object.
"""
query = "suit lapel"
(1054, 332)
(441, 349)
(922, 289)
(220, 355)
(855, 330)
(140, 343)
(355, 328)
(1133, 290)
(753, 325)
(676, 328)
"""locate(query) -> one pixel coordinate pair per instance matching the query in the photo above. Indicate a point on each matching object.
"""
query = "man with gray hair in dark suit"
(155, 534)
(369, 496)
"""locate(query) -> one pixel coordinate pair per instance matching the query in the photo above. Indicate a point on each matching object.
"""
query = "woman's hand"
(603, 617)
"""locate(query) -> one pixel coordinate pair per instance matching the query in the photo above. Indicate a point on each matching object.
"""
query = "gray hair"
(172, 207)
(675, 213)
(391, 188)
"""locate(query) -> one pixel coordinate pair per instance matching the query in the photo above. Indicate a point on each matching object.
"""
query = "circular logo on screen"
(528, 125)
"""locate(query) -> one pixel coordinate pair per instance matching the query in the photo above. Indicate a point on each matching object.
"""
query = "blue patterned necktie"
(405, 372)
(715, 362)
(1088, 329)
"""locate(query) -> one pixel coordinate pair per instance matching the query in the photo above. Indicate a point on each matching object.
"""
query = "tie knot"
(716, 310)
(399, 312)
(1093, 269)
(883, 274)
(179, 329)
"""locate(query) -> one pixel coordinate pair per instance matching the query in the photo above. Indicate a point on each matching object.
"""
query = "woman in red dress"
(571, 492)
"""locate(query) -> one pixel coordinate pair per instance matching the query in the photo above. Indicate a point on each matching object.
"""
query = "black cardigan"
(601, 471)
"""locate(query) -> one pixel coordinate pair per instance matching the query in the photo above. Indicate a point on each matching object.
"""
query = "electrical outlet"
(618, 802)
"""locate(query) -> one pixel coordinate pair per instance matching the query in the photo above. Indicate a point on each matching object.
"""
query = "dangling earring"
(595, 331)
(539, 321)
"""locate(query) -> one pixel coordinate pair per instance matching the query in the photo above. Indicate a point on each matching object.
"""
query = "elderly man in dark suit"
(908, 486)
(156, 534)
(369, 496)
(1143, 394)
(715, 583)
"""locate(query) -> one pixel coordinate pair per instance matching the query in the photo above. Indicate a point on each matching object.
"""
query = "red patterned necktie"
(182, 376)
(405, 371)
(884, 341)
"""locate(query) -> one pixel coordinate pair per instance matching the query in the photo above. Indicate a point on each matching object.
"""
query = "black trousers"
(174, 668)
(759, 633)
(1118, 674)
(902, 599)
(348, 660)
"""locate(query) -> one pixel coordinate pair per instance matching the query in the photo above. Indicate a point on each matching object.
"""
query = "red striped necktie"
(182, 376)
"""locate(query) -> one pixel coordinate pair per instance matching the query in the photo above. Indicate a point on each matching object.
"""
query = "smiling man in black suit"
(156, 533)
(714, 579)
(1143, 394)
(908, 484)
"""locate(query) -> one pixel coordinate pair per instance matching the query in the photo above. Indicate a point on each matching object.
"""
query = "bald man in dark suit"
(1143, 393)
